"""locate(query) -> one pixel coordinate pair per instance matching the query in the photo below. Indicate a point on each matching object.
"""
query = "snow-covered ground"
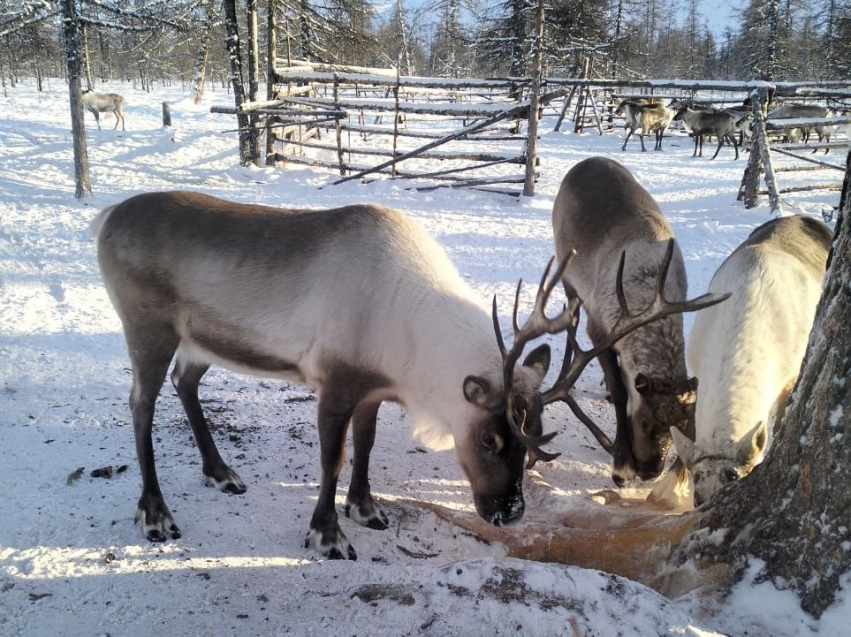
(73, 563)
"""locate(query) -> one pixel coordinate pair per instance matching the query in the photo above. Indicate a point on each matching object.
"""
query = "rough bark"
(200, 73)
(245, 155)
(73, 46)
(792, 511)
(253, 77)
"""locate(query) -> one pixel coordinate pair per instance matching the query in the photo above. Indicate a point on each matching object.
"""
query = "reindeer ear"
(753, 445)
(538, 360)
(480, 392)
(684, 445)
(643, 383)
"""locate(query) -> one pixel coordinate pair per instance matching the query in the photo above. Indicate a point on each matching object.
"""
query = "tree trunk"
(253, 78)
(791, 512)
(71, 28)
(271, 56)
(534, 91)
(203, 56)
(90, 81)
(245, 157)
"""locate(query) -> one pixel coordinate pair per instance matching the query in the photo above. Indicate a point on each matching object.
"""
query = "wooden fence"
(359, 121)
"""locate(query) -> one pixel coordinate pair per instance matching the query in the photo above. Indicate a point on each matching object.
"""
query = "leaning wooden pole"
(534, 102)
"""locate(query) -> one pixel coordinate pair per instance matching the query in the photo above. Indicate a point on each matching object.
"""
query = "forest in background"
(146, 41)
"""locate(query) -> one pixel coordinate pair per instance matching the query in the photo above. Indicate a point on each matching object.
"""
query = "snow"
(73, 563)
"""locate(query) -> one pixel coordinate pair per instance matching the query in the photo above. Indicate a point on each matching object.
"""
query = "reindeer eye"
(492, 442)
(730, 475)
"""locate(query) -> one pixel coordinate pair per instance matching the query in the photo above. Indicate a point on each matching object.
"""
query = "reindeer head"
(657, 406)
(713, 471)
(493, 452)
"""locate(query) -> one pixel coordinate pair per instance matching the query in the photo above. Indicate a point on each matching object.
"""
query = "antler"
(626, 324)
(536, 325)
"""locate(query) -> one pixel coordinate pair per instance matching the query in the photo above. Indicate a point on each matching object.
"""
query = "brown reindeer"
(601, 211)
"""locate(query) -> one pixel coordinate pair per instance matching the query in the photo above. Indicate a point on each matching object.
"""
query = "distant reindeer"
(99, 103)
(721, 124)
(747, 352)
(356, 302)
(791, 110)
(601, 211)
(649, 118)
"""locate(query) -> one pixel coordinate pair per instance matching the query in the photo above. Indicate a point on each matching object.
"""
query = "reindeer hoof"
(369, 515)
(157, 524)
(334, 547)
(226, 480)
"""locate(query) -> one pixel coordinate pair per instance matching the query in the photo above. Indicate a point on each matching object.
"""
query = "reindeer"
(721, 124)
(104, 103)
(649, 118)
(356, 302)
(747, 352)
(600, 211)
(791, 110)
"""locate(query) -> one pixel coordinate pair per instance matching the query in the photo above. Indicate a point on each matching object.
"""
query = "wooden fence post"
(338, 131)
(760, 159)
(395, 120)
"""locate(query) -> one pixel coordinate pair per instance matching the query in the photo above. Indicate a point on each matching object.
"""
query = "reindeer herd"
(730, 125)
(362, 305)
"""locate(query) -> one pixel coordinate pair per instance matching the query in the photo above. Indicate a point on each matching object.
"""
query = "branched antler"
(626, 324)
(578, 359)
(536, 325)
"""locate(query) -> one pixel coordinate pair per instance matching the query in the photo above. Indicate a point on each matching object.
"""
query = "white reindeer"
(747, 352)
(647, 117)
(99, 103)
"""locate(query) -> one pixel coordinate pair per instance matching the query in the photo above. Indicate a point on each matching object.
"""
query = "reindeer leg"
(721, 143)
(641, 137)
(97, 118)
(360, 506)
(628, 135)
(344, 389)
(623, 462)
(325, 534)
(151, 348)
(185, 378)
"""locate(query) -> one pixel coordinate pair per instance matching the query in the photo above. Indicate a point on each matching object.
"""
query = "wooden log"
(789, 169)
(812, 160)
(423, 134)
(470, 183)
(836, 186)
(338, 133)
(448, 155)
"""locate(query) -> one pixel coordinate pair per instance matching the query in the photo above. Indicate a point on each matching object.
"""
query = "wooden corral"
(363, 121)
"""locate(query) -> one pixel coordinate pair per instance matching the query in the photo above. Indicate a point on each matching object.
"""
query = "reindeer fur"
(747, 351)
